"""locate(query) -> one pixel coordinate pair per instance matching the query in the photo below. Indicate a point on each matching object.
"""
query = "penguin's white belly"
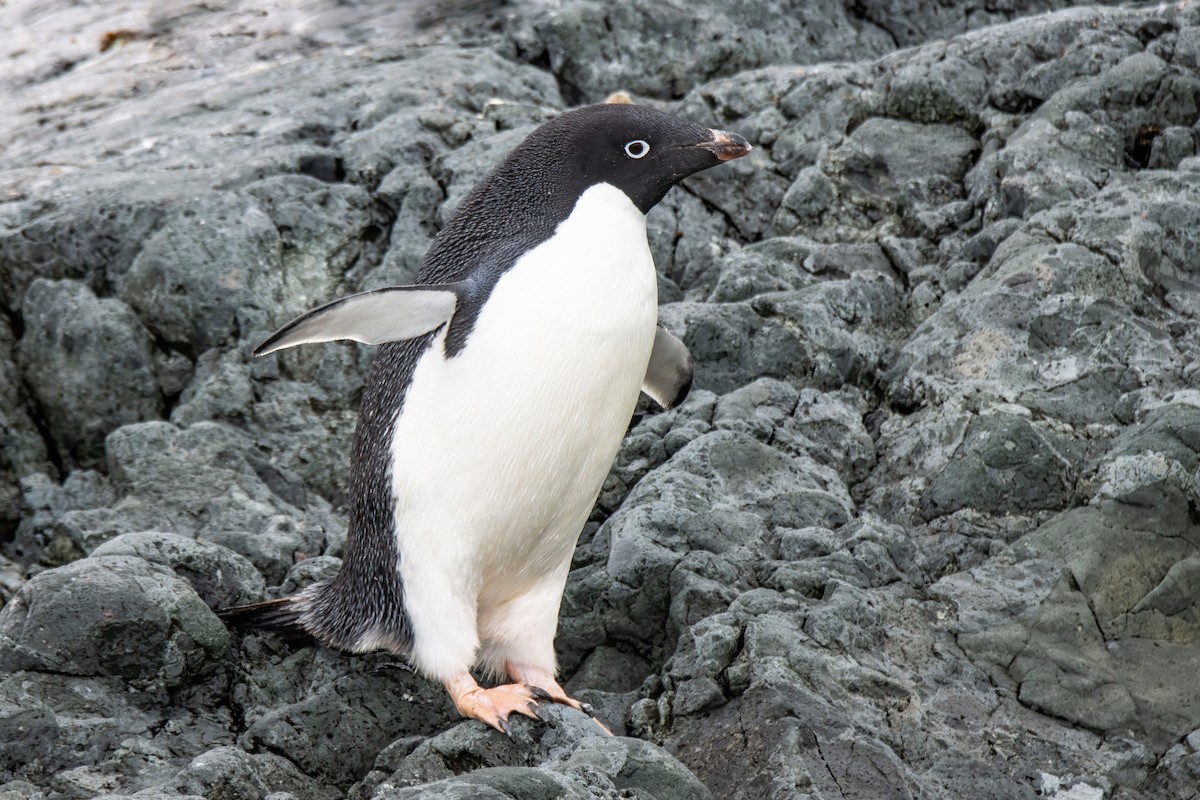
(499, 452)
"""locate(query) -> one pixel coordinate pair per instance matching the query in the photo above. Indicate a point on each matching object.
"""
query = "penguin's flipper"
(381, 315)
(669, 374)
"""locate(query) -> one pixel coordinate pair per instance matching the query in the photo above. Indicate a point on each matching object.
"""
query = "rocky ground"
(927, 526)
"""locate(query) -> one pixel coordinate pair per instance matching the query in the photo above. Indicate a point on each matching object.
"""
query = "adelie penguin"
(505, 381)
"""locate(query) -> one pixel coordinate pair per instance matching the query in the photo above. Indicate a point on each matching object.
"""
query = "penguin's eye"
(637, 148)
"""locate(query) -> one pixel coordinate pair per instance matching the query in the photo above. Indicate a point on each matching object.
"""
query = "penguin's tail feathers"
(282, 615)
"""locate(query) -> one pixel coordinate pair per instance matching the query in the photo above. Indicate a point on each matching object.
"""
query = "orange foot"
(542, 686)
(491, 706)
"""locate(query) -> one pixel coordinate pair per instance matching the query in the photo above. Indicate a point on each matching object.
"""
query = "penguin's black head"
(636, 149)
(639, 150)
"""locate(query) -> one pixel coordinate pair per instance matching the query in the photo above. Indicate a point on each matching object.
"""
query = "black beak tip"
(727, 146)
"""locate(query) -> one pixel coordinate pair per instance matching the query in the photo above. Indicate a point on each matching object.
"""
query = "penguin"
(505, 380)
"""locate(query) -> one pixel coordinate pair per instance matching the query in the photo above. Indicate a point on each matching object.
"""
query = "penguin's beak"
(725, 145)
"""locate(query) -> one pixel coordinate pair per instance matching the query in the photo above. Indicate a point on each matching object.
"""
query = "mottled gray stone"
(88, 363)
(937, 88)
(189, 287)
(818, 336)
(685, 49)
(132, 765)
(232, 772)
(774, 265)
(112, 616)
(54, 722)
(219, 389)
(24, 451)
(717, 495)
(324, 226)
(62, 521)
(1075, 651)
(220, 577)
(654, 439)
(825, 426)
(889, 173)
(20, 790)
(1004, 463)
(1008, 334)
(780, 737)
(572, 759)
(307, 432)
(785, 263)
(209, 481)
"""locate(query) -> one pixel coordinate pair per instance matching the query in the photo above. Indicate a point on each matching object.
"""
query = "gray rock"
(1076, 640)
(20, 790)
(371, 708)
(133, 764)
(784, 263)
(826, 426)
(55, 722)
(773, 265)
(1003, 464)
(189, 287)
(718, 494)
(779, 735)
(24, 449)
(88, 364)
(209, 481)
(308, 432)
(220, 577)
(822, 336)
(904, 177)
(11, 578)
(61, 521)
(580, 39)
(228, 770)
(937, 88)
(651, 442)
(573, 759)
(112, 616)
(915, 23)
(324, 227)
(219, 389)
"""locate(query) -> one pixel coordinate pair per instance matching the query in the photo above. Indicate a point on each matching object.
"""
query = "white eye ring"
(638, 148)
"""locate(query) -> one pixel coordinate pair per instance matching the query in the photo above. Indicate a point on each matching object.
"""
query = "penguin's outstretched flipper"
(669, 373)
(381, 315)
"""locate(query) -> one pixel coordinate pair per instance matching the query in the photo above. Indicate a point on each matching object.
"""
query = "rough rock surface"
(926, 527)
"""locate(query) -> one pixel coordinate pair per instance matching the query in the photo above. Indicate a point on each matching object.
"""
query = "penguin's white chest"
(499, 452)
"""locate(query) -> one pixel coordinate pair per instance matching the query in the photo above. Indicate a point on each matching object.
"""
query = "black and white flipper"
(669, 374)
(382, 315)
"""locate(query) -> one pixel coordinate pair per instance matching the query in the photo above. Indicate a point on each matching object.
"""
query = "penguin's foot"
(491, 706)
(542, 686)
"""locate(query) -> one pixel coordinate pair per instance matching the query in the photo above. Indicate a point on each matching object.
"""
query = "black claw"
(504, 727)
(545, 719)
(587, 709)
(539, 693)
(537, 712)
